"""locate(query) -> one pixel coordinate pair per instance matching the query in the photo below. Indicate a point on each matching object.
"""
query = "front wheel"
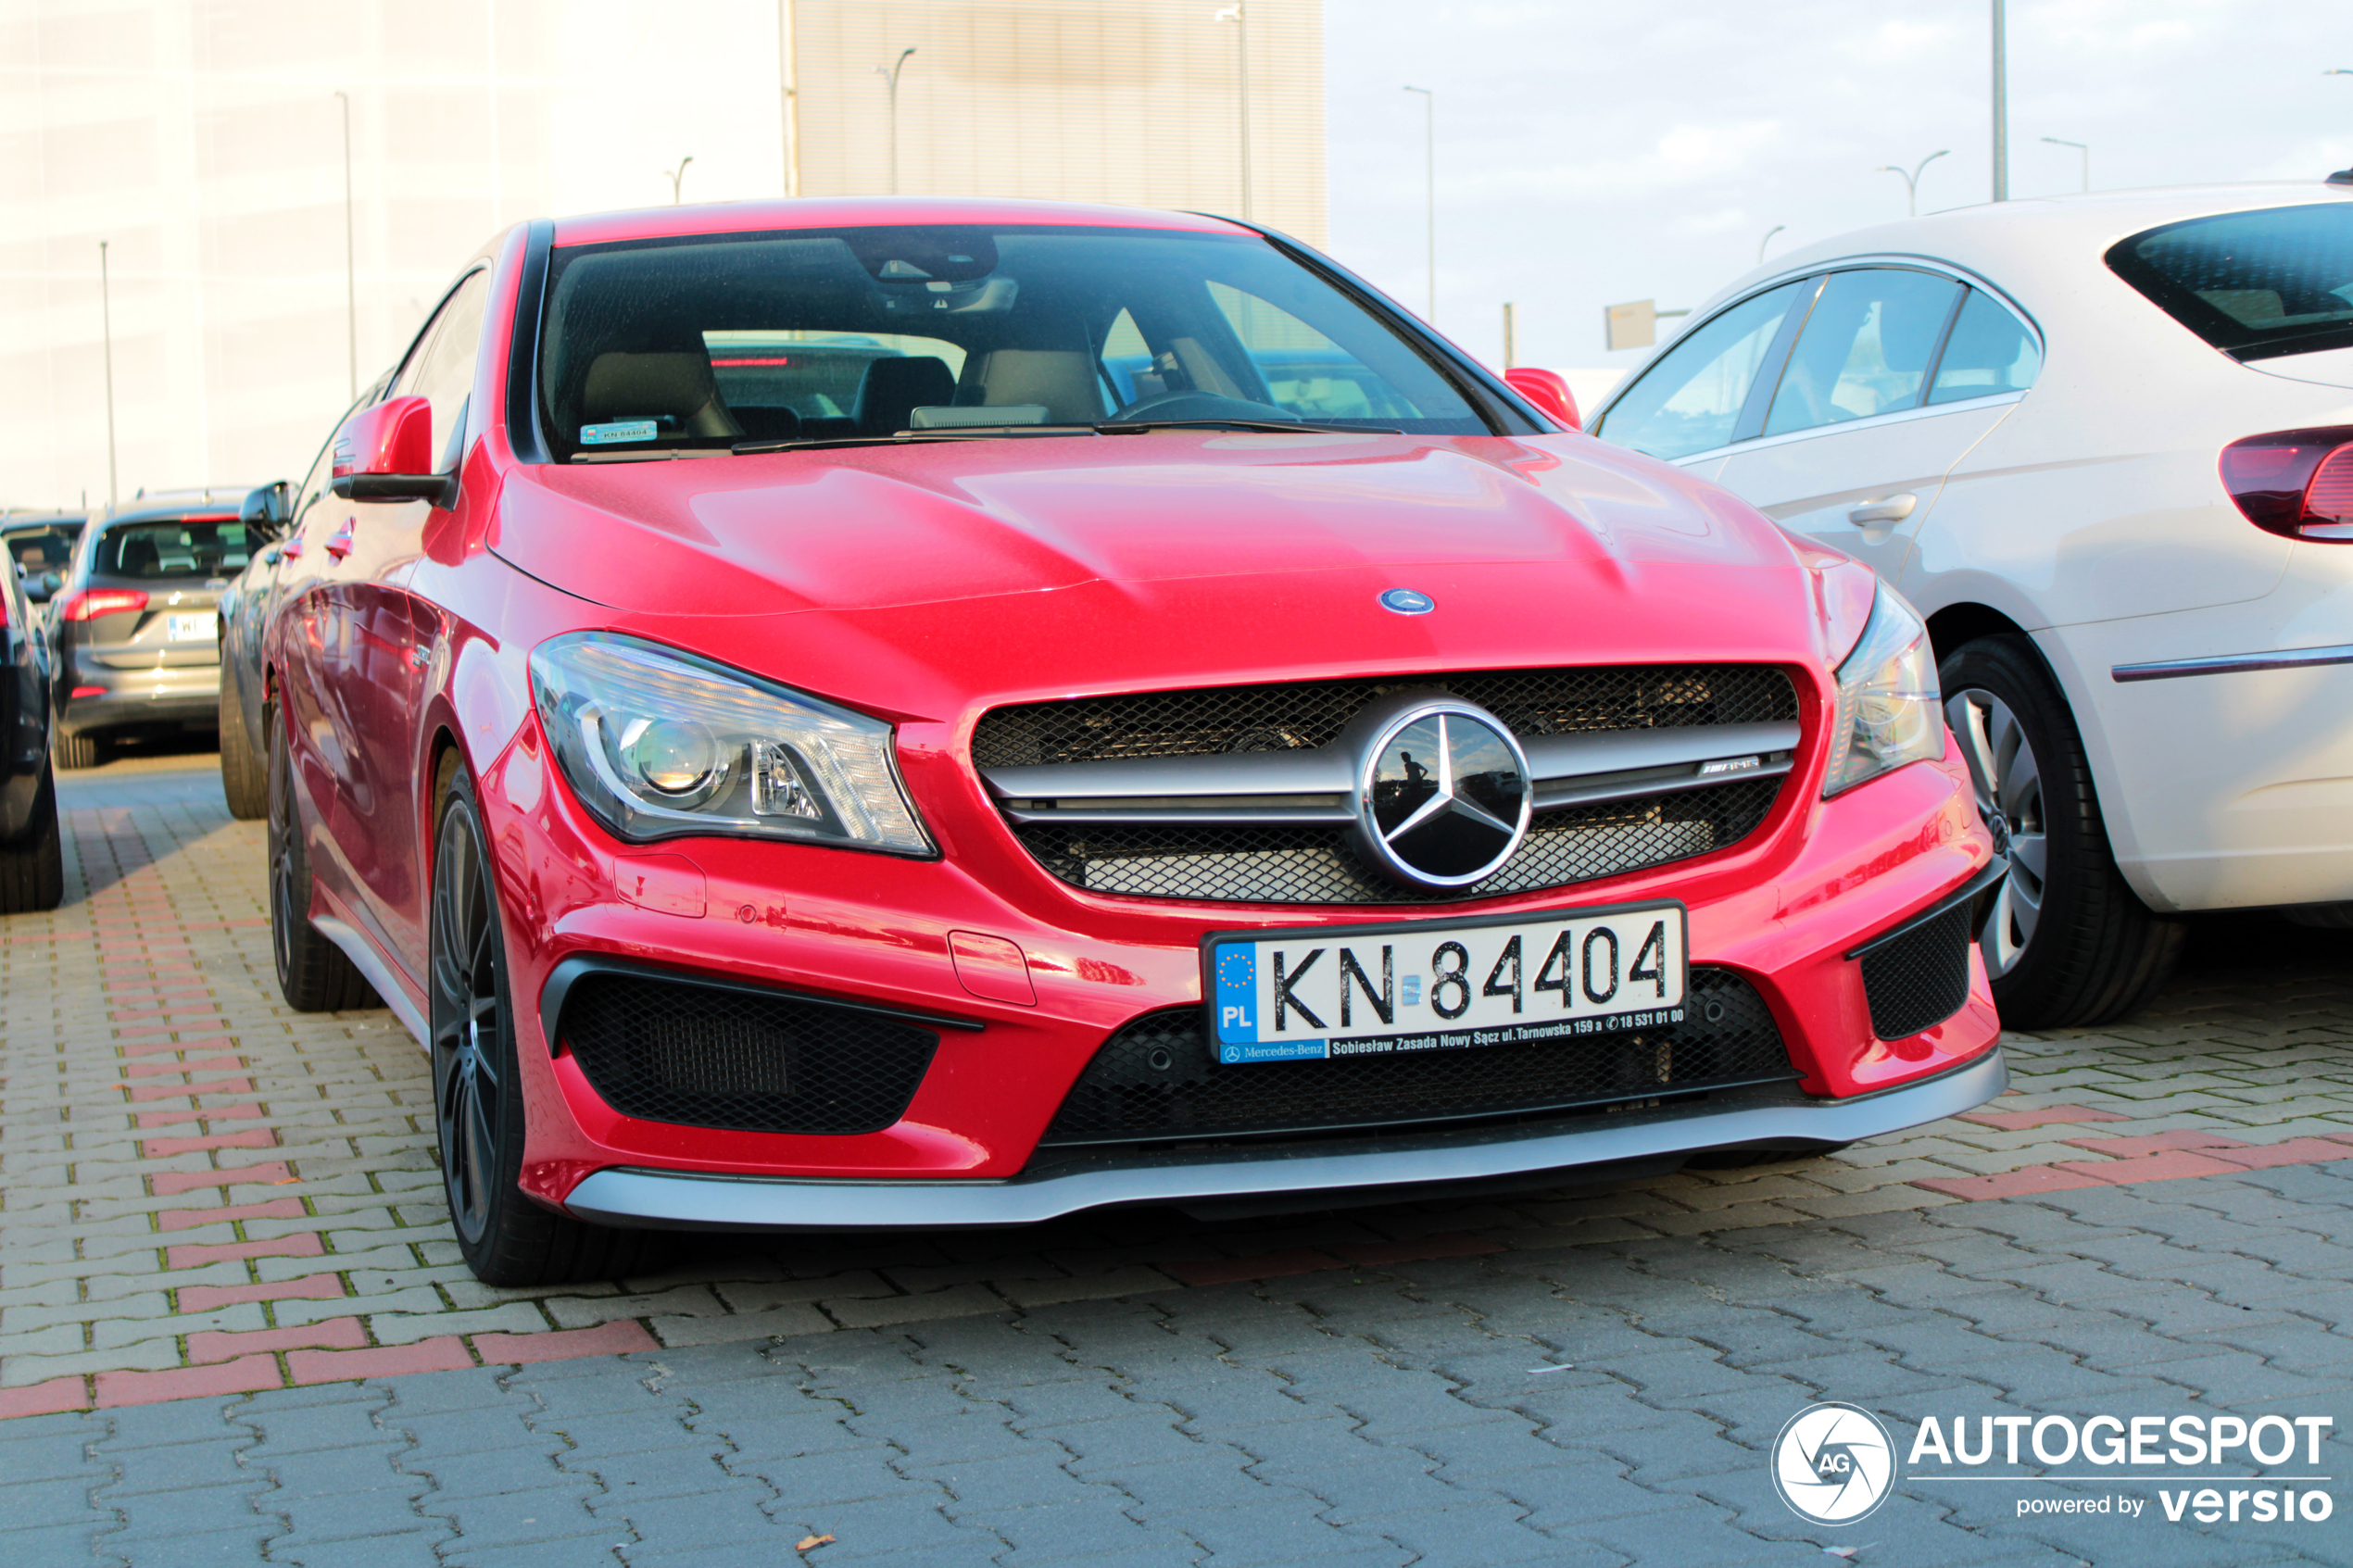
(32, 870)
(478, 1105)
(2067, 942)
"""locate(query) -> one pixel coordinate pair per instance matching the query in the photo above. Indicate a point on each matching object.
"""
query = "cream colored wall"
(202, 139)
(1128, 101)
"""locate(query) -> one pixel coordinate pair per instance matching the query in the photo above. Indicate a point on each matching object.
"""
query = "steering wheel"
(1199, 406)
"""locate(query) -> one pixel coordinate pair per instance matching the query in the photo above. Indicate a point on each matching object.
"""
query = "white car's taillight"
(2296, 482)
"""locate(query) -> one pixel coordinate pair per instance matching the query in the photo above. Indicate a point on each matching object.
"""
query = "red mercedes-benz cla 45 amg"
(932, 713)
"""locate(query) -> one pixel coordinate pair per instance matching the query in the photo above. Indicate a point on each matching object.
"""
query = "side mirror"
(265, 510)
(384, 453)
(48, 582)
(1548, 391)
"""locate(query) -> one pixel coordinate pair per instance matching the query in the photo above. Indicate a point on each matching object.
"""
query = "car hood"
(1051, 564)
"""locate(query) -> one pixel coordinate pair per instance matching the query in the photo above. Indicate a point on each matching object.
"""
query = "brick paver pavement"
(233, 1327)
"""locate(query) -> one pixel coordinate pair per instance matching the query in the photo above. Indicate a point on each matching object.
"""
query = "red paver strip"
(252, 1137)
(169, 1091)
(242, 1375)
(276, 1209)
(2166, 1165)
(46, 1399)
(156, 1048)
(167, 1184)
(2153, 1143)
(309, 1287)
(196, 1254)
(2295, 1152)
(2022, 1121)
(158, 1008)
(2024, 1183)
(445, 1353)
(209, 1064)
(1267, 1265)
(616, 1338)
(247, 1112)
(1377, 1254)
(329, 1334)
(141, 1031)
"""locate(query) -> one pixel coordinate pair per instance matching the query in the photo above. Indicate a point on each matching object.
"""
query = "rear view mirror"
(1548, 391)
(384, 453)
(265, 509)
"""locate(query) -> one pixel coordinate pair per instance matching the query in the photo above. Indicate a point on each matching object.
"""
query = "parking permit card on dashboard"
(1368, 990)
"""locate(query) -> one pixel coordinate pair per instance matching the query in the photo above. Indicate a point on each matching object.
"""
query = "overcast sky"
(1593, 151)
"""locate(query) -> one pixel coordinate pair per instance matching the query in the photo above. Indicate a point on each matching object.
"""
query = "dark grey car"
(31, 863)
(133, 629)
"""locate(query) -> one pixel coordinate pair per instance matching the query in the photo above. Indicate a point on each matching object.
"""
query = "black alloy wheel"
(505, 1239)
(314, 975)
(32, 870)
(2067, 943)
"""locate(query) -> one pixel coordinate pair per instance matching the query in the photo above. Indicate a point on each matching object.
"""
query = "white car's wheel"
(2067, 941)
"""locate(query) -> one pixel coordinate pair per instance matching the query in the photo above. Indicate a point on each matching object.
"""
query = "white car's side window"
(1989, 351)
(1691, 399)
(1865, 349)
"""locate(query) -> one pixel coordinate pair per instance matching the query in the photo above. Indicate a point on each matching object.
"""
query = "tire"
(2321, 917)
(244, 778)
(505, 1237)
(32, 870)
(314, 975)
(2067, 943)
(73, 751)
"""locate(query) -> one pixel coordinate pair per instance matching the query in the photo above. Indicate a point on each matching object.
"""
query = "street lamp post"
(2063, 141)
(1766, 240)
(1241, 18)
(788, 86)
(2001, 108)
(678, 178)
(106, 320)
(890, 74)
(1912, 179)
(350, 252)
(1429, 187)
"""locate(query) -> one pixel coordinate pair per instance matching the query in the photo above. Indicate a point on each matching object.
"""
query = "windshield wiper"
(913, 437)
(1137, 427)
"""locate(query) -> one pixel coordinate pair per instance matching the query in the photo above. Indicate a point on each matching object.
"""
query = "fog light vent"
(1920, 978)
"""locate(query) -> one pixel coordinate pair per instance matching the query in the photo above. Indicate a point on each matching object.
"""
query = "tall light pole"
(1766, 240)
(678, 178)
(2062, 142)
(351, 251)
(890, 74)
(1912, 179)
(105, 318)
(2001, 108)
(1241, 18)
(788, 87)
(1429, 187)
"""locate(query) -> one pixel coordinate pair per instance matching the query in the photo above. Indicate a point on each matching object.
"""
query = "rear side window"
(1690, 400)
(1988, 352)
(2254, 284)
(177, 547)
(1864, 349)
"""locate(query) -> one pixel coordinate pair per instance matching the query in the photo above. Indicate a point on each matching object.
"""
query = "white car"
(2105, 443)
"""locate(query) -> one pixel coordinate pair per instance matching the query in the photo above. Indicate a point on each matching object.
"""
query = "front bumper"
(1401, 1167)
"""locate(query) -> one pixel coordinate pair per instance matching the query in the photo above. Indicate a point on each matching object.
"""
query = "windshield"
(2254, 284)
(704, 343)
(206, 546)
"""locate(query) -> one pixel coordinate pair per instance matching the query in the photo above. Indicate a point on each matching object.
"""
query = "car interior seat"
(139, 557)
(678, 388)
(890, 391)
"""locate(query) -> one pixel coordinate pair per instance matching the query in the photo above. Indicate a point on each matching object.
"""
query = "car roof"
(753, 216)
(14, 522)
(159, 506)
(2018, 244)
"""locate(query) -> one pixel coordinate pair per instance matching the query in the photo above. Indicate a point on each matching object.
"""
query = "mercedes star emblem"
(1443, 794)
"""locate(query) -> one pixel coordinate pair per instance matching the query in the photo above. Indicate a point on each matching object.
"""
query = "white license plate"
(1366, 990)
(192, 626)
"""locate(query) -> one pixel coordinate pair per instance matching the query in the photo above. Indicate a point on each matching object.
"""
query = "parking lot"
(237, 1328)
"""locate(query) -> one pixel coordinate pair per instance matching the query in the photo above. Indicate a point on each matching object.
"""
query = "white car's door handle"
(1893, 508)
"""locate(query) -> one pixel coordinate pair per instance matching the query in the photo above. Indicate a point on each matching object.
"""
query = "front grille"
(1155, 1080)
(1316, 864)
(702, 1055)
(1920, 979)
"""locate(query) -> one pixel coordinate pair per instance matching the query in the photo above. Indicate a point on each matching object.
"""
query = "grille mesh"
(1155, 1079)
(1218, 864)
(696, 1055)
(1921, 978)
(1210, 722)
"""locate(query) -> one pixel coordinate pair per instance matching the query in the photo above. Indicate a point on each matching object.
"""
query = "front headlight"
(1889, 709)
(659, 744)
